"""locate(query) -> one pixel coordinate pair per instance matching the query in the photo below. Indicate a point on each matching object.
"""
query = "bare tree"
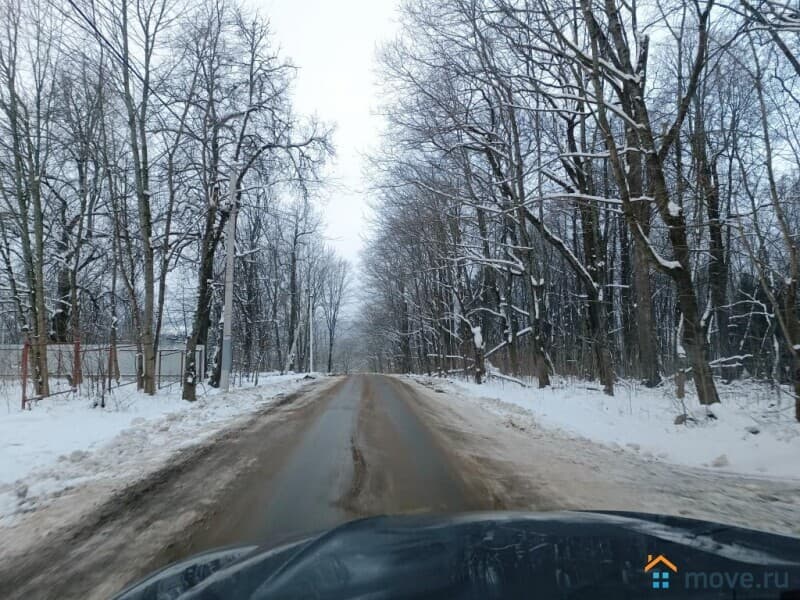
(335, 283)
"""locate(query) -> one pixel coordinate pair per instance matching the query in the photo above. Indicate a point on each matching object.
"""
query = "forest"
(587, 188)
(591, 188)
(132, 131)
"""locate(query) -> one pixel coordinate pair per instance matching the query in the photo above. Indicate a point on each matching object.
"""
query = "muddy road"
(363, 449)
(345, 448)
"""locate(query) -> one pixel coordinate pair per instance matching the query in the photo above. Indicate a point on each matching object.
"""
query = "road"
(363, 449)
(346, 447)
(357, 446)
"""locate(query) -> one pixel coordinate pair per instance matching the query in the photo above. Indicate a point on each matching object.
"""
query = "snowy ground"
(752, 431)
(531, 451)
(64, 442)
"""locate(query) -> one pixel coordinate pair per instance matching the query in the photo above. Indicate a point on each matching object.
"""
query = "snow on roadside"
(752, 431)
(64, 442)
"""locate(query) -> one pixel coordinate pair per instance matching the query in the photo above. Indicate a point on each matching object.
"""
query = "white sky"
(333, 42)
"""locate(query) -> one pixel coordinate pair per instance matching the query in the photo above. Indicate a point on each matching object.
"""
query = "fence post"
(110, 365)
(25, 352)
(139, 370)
(77, 375)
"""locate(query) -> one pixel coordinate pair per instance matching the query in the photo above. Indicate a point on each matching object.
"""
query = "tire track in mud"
(402, 466)
(350, 500)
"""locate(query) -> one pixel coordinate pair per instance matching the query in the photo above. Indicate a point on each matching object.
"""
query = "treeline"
(590, 187)
(130, 128)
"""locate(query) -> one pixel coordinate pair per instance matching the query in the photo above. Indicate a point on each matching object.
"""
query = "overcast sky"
(333, 43)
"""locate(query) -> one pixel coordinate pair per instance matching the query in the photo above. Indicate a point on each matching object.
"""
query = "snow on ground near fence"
(754, 431)
(63, 441)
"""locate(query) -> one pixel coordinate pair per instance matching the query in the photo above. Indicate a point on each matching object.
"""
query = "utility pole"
(310, 333)
(227, 311)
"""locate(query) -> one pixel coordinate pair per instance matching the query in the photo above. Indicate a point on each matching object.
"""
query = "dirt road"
(361, 450)
(352, 447)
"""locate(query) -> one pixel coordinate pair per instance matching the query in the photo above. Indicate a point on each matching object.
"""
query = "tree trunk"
(694, 340)
(480, 368)
(793, 339)
(61, 318)
(594, 255)
(293, 304)
(648, 363)
(718, 267)
(405, 342)
(212, 234)
(42, 375)
(540, 363)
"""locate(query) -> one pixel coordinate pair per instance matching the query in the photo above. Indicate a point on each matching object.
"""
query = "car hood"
(496, 555)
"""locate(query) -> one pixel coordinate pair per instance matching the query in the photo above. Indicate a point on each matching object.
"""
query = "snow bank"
(751, 432)
(63, 441)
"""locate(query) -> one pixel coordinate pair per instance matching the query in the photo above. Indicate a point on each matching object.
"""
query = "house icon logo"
(659, 568)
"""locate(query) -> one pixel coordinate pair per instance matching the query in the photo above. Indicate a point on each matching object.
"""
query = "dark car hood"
(497, 555)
